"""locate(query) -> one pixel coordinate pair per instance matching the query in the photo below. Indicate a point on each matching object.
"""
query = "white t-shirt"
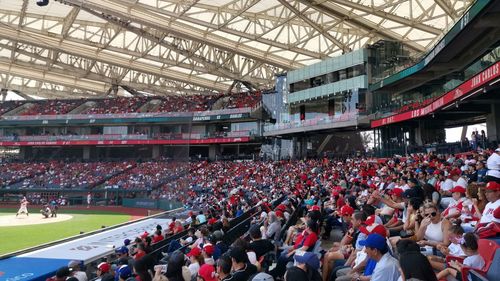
(493, 164)
(475, 261)
(447, 185)
(194, 268)
(460, 182)
(386, 269)
(487, 215)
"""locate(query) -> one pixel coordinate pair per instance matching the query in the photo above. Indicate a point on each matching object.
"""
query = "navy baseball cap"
(122, 250)
(374, 240)
(125, 272)
(308, 258)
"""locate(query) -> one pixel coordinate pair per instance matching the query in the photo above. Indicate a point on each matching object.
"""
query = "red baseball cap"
(104, 267)
(194, 252)
(370, 220)
(458, 188)
(455, 172)
(209, 249)
(279, 214)
(346, 210)
(281, 207)
(396, 191)
(315, 208)
(374, 228)
(207, 272)
(437, 172)
(493, 186)
(212, 221)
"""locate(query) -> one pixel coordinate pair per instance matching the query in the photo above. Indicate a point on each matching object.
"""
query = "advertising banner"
(125, 142)
(465, 89)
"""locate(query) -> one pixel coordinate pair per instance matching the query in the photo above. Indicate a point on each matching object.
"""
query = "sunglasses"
(433, 214)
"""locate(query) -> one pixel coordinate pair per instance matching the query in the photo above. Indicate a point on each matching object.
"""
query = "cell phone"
(161, 267)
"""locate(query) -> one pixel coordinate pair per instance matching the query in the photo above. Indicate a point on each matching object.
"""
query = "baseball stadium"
(249, 140)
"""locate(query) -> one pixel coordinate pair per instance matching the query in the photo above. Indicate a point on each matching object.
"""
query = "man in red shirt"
(305, 241)
(157, 237)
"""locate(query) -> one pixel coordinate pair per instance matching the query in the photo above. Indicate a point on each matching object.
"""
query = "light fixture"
(42, 3)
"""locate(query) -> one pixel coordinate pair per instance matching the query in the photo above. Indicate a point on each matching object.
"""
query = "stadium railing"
(128, 115)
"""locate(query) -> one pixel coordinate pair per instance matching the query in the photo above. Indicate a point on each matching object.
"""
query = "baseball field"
(17, 233)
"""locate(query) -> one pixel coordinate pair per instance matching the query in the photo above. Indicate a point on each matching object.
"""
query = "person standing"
(23, 209)
(89, 199)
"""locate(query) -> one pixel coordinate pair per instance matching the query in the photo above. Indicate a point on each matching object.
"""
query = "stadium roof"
(85, 48)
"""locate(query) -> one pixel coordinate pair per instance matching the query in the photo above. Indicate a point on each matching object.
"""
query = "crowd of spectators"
(11, 173)
(116, 105)
(7, 106)
(147, 175)
(187, 103)
(241, 100)
(77, 175)
(402, 218)
(52, 107)
(120, 105)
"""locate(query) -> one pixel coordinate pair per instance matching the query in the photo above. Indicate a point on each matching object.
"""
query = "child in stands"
(473, 260)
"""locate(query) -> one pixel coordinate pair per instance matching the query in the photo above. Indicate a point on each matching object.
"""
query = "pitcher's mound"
(12, 220)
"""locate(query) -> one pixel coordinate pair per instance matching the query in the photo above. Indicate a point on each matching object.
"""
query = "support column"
(3, 92)
(26, 152)
(156, 152)
(86, 152)
(213, 151)
(493, 124)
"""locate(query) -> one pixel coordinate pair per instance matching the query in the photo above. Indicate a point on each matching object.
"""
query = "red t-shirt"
(309, 240)
(157, 238)
(139, 254)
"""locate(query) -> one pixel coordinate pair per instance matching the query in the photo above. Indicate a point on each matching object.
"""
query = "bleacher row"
(87, 175)
(122, 105)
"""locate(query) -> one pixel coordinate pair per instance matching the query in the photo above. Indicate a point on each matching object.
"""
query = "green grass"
(13, 238)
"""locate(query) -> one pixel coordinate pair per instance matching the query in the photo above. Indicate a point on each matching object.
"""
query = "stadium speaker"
(42, 3)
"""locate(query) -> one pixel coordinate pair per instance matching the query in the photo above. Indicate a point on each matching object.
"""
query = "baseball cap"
(126, 242)
(346, 210)
(396, 191)
(370, 220)
(314, 208)
(497, 150)
(122, 250)
(194, 252)
(493, 186)
(374, 240)
(104, 267)
(458, 188)
(145, 234)
(124, 272)
(281, 207)
(308, 258)
(73, 263)
(455, 172)
(209, 249)
(437, 172)
(262, 276)
(374, 228)
(207, 271)
(410, 193)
